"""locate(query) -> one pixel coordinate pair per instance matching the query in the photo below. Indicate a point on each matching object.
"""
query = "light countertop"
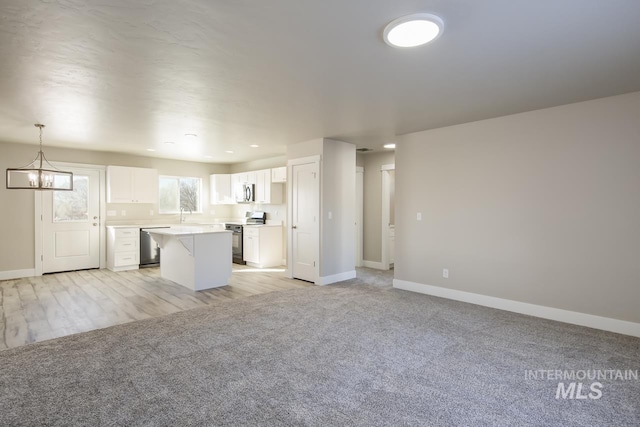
(186, 231)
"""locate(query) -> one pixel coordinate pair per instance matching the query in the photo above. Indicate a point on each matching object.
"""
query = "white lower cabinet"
(123, 248)
(262, 246)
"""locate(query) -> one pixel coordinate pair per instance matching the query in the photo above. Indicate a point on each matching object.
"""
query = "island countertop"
(185, 231)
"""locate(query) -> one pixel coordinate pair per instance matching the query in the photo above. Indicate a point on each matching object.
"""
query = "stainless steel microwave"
(245, 193)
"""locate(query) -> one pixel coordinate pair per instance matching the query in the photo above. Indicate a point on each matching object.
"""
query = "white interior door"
(305, 227)
(71, 225)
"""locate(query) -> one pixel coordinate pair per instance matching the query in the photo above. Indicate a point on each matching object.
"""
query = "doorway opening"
(388, 226)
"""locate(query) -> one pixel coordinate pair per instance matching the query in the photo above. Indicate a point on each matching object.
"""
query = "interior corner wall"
(338, 201)
(372, 235)
(541, 207)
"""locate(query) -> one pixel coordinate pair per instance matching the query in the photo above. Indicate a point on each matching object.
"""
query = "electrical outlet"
(112, 213)
(330, 215)
(419, 216)
(151, 212)
(445, 273)
(123, 212)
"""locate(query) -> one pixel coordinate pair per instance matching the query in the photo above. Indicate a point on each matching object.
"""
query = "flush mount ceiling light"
(413, 30)
(389, 145)
(254, 146)
(36, 177)
(151, 149)
(190, 135)
(229, 152)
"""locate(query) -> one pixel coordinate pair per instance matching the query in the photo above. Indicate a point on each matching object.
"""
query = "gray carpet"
(350, 354)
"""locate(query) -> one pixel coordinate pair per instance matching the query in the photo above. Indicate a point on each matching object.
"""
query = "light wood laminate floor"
(40, 308)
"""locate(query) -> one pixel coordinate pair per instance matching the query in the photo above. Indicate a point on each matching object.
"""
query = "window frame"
(179, 177)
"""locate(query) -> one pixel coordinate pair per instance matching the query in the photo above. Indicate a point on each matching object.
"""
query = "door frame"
(37, 217)
(360, 216)
(317, 159)
(386, 205)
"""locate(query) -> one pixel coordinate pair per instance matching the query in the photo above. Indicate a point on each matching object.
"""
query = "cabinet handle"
(294, 226)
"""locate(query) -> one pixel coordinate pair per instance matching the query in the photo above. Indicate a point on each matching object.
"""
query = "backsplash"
(134, 214)
(143, 213)
(274, 212)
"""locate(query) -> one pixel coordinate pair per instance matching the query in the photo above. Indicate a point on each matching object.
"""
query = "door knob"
(95, 217)
(95, 224)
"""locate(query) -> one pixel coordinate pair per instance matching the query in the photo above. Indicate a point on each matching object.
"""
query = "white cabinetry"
(262, 246)
(279, 174)
(221, 190)
(266, 191)
(123, 248)
(132, 185)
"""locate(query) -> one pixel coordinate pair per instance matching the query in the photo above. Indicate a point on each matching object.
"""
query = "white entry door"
(304, 221)
(71, 224)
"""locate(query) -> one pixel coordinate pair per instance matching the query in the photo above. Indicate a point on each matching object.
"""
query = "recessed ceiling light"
(208, 157)
(169, 142)
(389, 145)
(151, 149)
(229, 152)
(413, 30)
(254, 146)
(190, 135)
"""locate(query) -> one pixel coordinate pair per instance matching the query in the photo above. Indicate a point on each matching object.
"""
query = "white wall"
(338, 194)
(541, 207)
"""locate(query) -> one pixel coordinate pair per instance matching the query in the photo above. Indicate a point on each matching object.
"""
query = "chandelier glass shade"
(39, 174)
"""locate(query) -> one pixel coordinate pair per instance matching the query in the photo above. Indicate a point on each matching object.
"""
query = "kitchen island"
(195, 257)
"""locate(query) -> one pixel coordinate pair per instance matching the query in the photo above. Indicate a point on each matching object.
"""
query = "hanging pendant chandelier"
(39, 174)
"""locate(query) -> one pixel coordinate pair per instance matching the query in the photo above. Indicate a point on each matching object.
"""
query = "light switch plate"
(112, 213)
(419, 216)
(123, 212)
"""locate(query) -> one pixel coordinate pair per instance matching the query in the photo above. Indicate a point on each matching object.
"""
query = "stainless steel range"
(253, 218)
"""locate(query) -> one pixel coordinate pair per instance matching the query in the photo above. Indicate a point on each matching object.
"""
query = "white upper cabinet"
(266, 191)
(132, 185)
(245, 177)
(221, 190)
(279, 175)
(263, 186)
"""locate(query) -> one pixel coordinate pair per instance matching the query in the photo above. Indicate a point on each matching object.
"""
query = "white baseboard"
(17, 274)
(566, 316)
(327, 280)
(373, 264)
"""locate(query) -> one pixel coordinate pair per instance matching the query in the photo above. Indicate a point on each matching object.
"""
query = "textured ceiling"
(123, 75)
